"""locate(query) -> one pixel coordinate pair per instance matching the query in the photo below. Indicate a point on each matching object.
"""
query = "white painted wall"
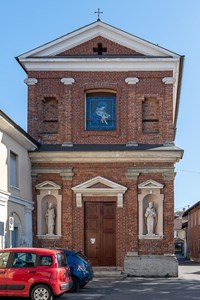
(15, 201)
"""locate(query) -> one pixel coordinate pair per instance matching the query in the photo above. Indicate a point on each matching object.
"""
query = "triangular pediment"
(99, 183)
(48, 185)
(97, 30)
(91, 48)
(150, 184)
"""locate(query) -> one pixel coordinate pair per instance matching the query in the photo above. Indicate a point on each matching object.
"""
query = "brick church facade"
(103, 105)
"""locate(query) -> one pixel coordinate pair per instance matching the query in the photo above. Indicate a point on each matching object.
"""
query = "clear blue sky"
(173, 24)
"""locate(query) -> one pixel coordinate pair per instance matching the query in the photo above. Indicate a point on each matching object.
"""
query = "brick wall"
(87, 48)
(126, 217)
(71, 107)
(136, 121)
(193, 235)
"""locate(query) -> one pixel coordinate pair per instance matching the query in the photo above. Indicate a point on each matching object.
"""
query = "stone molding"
(65, 173)
(111, 189)
(132, 144)
(132, 80)
(30, 81)
(49, 237)
(169, 176)
(169, 80)
(67, 144)
(168, 155)
(133, 173)
(150, 184)
(67, 81)
(48, 185)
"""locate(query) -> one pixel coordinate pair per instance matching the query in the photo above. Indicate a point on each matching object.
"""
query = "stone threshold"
(107, 271)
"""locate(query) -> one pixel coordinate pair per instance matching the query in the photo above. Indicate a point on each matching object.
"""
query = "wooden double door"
(100, 233)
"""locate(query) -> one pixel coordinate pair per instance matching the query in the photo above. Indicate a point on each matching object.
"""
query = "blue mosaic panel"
(101, 113)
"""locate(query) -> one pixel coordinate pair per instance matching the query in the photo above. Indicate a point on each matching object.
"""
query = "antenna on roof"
(98, 12)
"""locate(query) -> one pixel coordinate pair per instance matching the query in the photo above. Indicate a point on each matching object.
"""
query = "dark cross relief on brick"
(98, 12)
(100, 49)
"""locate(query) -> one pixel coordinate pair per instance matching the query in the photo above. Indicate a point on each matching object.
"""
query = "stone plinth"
(150, 265)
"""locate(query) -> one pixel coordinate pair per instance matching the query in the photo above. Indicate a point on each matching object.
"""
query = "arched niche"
(48, 193)
(44, 207)
(150, 192)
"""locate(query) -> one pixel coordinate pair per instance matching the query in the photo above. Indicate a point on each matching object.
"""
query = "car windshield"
(62, 260)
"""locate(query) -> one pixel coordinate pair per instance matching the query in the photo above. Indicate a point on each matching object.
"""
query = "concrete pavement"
(115, 286)
(104, 287)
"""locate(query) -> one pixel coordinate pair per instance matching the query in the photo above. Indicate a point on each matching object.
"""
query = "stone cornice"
(100, 64)
(65, 173)
(169, 176)
(133, 173)
(172, 156)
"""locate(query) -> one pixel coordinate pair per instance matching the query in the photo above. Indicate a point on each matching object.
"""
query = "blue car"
(81, 269)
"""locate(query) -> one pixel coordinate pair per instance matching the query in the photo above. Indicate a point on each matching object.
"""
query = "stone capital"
(132, 174)
(67, 81)
(168, 80)
(132, 144)
(30, 81)
(169, 176)
(132, 80)
(65, 173)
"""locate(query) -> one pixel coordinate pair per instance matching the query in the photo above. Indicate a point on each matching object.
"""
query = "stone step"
(107, 271)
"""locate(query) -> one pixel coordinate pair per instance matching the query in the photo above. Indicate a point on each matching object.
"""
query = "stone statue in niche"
(50, 219)
(150, 218)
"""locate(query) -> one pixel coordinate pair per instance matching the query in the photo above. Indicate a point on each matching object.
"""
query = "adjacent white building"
(15, 184)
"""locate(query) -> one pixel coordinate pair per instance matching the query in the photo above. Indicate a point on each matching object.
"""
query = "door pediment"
(150, 184)
(48, 185)
(99, 186)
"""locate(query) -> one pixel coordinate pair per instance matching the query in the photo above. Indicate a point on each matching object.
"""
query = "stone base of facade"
(150, 265)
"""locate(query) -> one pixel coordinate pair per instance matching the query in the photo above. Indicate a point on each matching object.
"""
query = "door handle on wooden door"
(92, 241)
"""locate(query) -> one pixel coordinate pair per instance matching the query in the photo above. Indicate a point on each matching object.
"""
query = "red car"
(34, 272)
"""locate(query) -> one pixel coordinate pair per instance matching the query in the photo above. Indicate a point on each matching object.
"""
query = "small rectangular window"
(24, 260)
(150, 115)
(4, 259)
(13, 169)
(50, 116)
(101, 112)
(45, 260)
(62, 260)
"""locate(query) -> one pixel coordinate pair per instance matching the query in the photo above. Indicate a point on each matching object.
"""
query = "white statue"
(50, 219)
(151, 219)
(101, 112)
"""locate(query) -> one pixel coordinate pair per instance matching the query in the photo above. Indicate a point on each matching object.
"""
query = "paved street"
(186, 287)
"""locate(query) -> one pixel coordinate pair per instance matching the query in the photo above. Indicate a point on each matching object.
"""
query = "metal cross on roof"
(98, 12)
(100, 49)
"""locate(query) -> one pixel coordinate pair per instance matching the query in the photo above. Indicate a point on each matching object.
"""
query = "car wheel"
(83, 285)
(75, 285)
(41, 292)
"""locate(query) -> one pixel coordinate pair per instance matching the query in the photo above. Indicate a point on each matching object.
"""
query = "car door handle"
(2, 272)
